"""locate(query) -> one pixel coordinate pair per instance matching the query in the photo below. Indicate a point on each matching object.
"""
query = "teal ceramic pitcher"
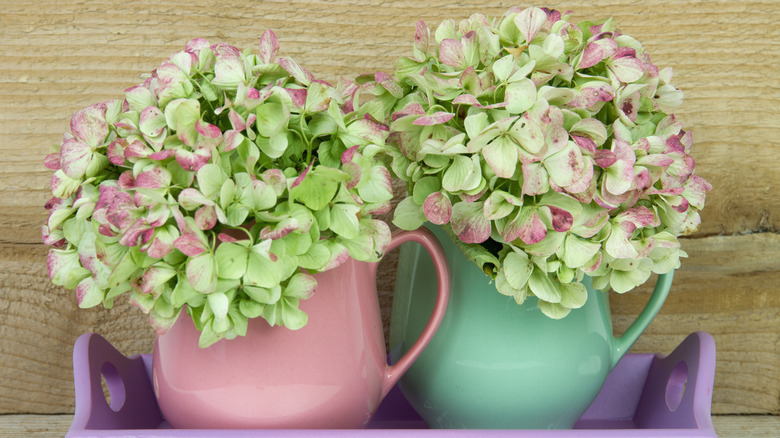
(496, 364)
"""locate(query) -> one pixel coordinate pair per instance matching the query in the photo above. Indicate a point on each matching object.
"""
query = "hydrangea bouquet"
(221, 184)
(547, 151)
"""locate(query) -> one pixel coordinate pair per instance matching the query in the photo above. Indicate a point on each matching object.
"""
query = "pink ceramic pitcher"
(332, 373)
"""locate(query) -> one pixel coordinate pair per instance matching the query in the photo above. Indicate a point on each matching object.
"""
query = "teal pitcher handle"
(621, 344)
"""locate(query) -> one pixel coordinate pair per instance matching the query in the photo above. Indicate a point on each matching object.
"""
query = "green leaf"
(264, 295)
(315, 258)
(543, 287)
(231, 260)
(573, 295)
(315, 191)
(520, 96)
(300, 286)
(210, 180)
(463, 174)
(517, 269)
(344, 220)
(250, 308)
(272, 118)
(553, 310)
(292, 317)
(408, 215)
(261, 271)
(577, 252)
(183, 293)
(202, 272)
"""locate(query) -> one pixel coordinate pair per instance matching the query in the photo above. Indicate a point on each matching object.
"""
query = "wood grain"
(58, 56)
(51, 426)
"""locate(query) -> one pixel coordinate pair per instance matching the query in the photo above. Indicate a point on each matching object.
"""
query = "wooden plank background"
(58, 56)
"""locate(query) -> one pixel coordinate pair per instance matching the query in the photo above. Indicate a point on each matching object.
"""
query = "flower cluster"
(546, 150)
(214, 185)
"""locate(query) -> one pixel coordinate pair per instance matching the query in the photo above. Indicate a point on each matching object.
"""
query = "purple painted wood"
(645, 396)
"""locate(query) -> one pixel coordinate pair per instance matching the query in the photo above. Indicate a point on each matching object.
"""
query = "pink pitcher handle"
(432, 245)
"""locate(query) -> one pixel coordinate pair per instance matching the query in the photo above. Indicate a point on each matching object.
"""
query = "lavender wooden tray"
(646, 395)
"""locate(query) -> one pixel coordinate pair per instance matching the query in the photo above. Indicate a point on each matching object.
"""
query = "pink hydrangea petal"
(116, 152)
(231, 140)
(451, 52)
(75, 156)
(436, 118)
(296, 71)
(409, 109)
(52, 161)
(421, 37)
(389, 84)
(627, 69)
(190, 245)
(468, 99)
(298, 96)
(236, 121)
(562, 220)
(206, 217)
(192, 161)
(585, 143)
(592, 55)
(89, 124)
(269, 46)
(532, 228)
(137, 149)
(347, 156)
(639, 216)
(696, 189)
(469, 223)
(437, 208)
(604, 158)
(162, 155)
(154, 178)
(530, 22)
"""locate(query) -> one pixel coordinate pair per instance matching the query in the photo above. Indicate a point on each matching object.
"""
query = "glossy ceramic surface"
(332, 373)
(494, 364)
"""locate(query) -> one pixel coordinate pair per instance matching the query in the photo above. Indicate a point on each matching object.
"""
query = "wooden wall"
(58, 56)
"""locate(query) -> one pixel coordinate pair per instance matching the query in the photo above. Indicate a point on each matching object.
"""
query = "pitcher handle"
(621, 344)
(432, 245)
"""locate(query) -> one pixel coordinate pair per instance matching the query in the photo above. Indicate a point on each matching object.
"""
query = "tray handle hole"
(675, 387)
(113, 386)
